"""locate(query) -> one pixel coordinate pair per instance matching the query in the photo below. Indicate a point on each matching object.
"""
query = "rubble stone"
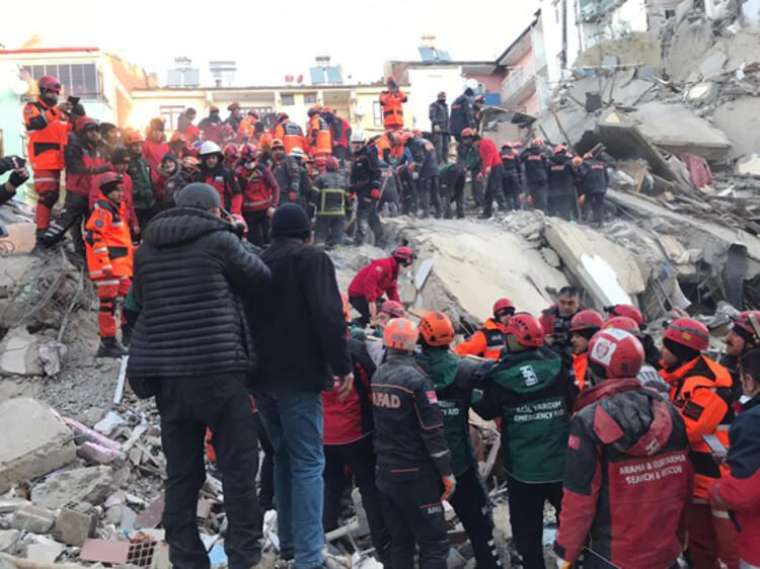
(691, 40)
(92, 484)
(44, 553)
(19, 353)
(35, 441)
(73, 527)
(33, 519)
(8, 538)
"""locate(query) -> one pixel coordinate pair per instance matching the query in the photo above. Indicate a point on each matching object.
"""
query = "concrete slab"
(44, 553)
(35, 441)
(20, 353)
(73, 527)
(740, 120)
(33, 519)
(93, 485)
(690, 42)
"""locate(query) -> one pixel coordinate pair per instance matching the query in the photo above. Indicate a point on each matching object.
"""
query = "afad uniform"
(392, 103)
(48, 135)
(488, 342)
(109, 259)
(412, 457)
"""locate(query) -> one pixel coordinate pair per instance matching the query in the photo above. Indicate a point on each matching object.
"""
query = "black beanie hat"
(683, 353)
(290, 220)
(198, 195)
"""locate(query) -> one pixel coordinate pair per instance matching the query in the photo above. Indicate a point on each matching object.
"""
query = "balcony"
(519, 83)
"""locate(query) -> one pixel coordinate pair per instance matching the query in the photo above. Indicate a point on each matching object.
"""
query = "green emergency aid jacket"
(454, 380)
(530, 391)
(142, 184)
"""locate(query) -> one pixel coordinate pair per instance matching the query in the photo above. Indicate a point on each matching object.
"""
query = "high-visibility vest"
(46, 145)
(393, 110)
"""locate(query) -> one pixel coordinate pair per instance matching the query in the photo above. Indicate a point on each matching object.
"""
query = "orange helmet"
(132, 136)
(401, 334)
(577, 161)
(436, 329)
(277, 143)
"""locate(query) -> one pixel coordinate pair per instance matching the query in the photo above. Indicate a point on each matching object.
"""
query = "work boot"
(110, 348)
(126, 334)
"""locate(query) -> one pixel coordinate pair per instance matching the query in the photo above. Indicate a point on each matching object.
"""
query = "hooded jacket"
(627, 479)
(190, 274)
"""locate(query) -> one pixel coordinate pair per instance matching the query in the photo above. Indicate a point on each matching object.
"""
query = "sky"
(273, 38)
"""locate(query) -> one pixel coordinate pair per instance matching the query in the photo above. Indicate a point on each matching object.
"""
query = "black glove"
(11, 163)
(18, 177)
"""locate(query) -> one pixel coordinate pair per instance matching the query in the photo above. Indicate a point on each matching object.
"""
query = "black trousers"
(330, 230)
(409, 192)
(427, 191)
(595, 202)
(452, 189)
(526, 514)
(266, 474)
(367, 216)
(414, 515)
(471, 504)
(187, 407)
(360, 456)
(494, 190)
(144, 215)
(540, 194)
(361, 305)
(477, 188)
(441, 141)
(75, 210)
(562, 203)
(512, 189)
(258, 227)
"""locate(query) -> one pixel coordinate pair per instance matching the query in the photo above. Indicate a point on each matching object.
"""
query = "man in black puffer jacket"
(191, 342)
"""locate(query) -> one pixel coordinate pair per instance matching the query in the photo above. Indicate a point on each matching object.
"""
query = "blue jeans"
(294, 424)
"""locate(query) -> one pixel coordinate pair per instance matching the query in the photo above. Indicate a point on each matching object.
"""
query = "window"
(377, 113)
(170, 114)
(309, 98)
(261, 111)
(78, 79)
(288, 100)
(670, 14)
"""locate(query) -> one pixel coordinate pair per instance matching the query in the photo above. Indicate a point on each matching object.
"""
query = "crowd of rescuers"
(648, 453)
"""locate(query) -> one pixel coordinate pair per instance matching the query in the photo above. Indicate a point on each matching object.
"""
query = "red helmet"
(403, 254)
(231, 152)
(627, 310)
(248, 152)
(49, 83)
(688, 332)
(586, 320)
(84, 123)
(393, 309)
(623, 323)
(109, 178)
(527, 330)
(503, 305)
(436, 329)
(401, 334)
(747, 324)
(615, 354)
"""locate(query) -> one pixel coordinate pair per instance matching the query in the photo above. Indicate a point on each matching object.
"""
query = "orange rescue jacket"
(580, 367)
(108, 241)
(393, 109)
(48, 134)
(488, 342)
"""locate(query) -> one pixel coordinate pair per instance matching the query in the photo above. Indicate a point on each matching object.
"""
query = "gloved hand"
(449, 484)
(375, 194)
(270, 212)
(18, 177)
(11, 163)
(107, 271)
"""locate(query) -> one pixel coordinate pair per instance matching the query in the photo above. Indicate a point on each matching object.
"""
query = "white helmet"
(297, 153)
(471, 84)
(209, 147)
(357, 136)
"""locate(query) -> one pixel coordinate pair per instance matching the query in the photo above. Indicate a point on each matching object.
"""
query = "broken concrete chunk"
(93, 485)
(35, 441)
(45, 552)
(8, 539)
(749, 166)
(73, 527)
(33, 519)
(19, 353)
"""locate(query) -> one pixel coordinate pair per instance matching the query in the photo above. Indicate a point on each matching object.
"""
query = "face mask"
(49, 98)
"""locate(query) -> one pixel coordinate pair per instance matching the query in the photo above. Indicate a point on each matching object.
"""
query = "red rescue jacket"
(489, 154)
(260, 189)
(376, 279)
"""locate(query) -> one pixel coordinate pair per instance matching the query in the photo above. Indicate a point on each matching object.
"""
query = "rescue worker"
(454, 380)
(562, 184)
(286, 172)
(701, 390)
(109, 259)
(319, 136)
(19, 175)
(188, 169)
(594, 181)
(231, 155)
(583, 326)
(142, 178)
(348, 430)
(439, 125)
(651, 352)
(422, 167)
(155, 146)
(743, 336)
(331, 190)
(300, 162)
(47, 130)
(528, 389)
(246, 130)
(340, 134)
(512, 179)
(365, 188)
(492, 171)
(627, 476)
(556, 319)
(414, 473)
(110, 139)
(178, 146)
(119, 163)
(536, 166)
(452, 179)
(462, 112)
(186, 127)
(169, 167)
(469, 157)
(477, 109)
(739, 490)
(222, 179)
(235, 117)
(83, 164)
(392, 102)
(289, 133)
(489, 341)
(211, 128)
(377, 279)
(649, 375)
(261, 195)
